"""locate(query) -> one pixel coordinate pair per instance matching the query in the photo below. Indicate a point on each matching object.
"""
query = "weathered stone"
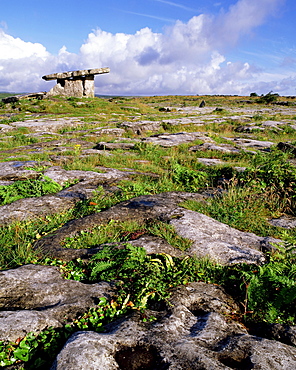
(14, 170)
(287, 148)
(254, 352)
(182, 121)
(79, 73)
(248, 128)
(62, 201)
(33, 297)
(111, 131)
(286, 222)
(51, 125)
(16, 98)
(153, 245)
(169, 140)
(219, 241)
(114, 146)
(249, 143)
(138, 127)
(62, 176)
(273, 124)
(210, 161)
(76, 83)
(29, 208)
(195, 332)
(210, 237)
(224, 148)
(5, 128)
(283, 333)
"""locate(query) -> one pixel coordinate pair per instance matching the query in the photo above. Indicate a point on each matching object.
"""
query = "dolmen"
(75, 83)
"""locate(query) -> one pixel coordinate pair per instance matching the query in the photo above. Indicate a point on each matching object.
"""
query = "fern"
(27, 189)
(271, 291)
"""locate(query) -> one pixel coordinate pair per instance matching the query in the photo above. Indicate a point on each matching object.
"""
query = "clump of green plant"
(268, 98)
(241, 208)
(272, 174)
(145, 278)
(27, 189)
(189, 179)
(271, 289)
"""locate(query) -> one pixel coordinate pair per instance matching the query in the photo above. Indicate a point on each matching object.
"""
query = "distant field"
(4, 94)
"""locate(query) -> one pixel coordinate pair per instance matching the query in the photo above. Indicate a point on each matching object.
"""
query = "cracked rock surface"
(210, 237)
(195, 333)
(34, 297)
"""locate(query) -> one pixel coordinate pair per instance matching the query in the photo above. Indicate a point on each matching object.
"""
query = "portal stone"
(75, 83)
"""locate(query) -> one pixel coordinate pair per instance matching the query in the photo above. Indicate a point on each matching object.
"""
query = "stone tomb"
(76, 83)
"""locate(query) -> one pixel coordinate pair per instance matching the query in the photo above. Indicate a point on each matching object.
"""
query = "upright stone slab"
(75, 83)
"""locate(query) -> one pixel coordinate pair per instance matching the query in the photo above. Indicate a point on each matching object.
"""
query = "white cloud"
(187, 58)
(15, 48)
(241, 19)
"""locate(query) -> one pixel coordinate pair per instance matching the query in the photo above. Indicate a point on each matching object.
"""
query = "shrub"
(268, 98)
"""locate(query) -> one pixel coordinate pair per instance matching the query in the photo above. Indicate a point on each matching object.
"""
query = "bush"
(268, 98)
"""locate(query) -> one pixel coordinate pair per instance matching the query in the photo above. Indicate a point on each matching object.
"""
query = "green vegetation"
(27, 189)
(268, 98)
(116, 231)
(245, 200)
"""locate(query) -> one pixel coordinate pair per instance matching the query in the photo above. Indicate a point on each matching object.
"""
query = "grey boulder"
(34, 297)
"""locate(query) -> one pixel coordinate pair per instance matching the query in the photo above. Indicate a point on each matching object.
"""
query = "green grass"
(121, 231)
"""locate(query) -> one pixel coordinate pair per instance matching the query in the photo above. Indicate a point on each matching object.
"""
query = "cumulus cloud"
(15, 48)
(187, 58)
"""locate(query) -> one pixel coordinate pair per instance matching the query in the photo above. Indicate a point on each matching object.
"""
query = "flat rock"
(210, 161)
(210, 238)
(218, 241)
(34, 297)
(30, 208)
(286, 222)
(110, 131)
(5, 128)
(184, 121)
(273, 124)
(169, 140)
(224, 148)
(249, 143)
(248, 128)
(62, 176)
(48, 124)
(15, 170)
(138, 127)
(79, 73)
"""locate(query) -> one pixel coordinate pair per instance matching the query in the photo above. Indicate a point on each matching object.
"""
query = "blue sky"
(152, 46)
